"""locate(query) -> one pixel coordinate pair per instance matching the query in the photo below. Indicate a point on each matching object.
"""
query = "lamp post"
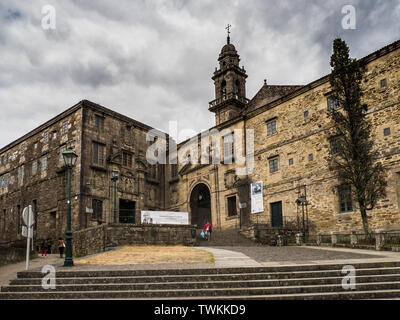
(302, 200)
(114, 178)
(69, 158)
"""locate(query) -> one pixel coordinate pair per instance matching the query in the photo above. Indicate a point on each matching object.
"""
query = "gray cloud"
(153, 60)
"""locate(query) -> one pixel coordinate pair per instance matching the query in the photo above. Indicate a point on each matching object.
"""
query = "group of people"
(46, 247)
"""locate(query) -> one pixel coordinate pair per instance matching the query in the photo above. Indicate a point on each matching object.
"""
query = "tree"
(355, 159)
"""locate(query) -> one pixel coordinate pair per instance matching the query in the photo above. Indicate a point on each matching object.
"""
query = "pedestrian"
(207, 230)
(61, 246)
(44, 248)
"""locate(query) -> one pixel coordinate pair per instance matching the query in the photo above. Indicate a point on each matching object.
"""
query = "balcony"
(227, 97)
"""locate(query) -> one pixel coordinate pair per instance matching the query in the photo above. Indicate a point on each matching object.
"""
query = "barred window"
(97, 206)
(271, 128)
(333, 104)
(44, 164)
(64, 127)
(127, 159)
(46, 137)
(345, 199)
(174, 170)
(99, 123)
(273, 165)
(228, 149)
(335, 145)
(34, 167)
(98, 153)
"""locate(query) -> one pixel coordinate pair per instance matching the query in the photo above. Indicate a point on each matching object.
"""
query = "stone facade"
(301, 145)
(290, 126)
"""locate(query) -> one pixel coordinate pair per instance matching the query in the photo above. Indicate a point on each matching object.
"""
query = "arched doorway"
(200, 205)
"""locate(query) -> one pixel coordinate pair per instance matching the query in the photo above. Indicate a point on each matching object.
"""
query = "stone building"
(291, 145)
(32, 172)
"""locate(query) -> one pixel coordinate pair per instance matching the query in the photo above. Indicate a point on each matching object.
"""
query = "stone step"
(205, 271)
(211, 277)
(199, 284)
(200, 293)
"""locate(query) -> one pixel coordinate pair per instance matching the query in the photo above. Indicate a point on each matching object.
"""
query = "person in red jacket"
(207, 230)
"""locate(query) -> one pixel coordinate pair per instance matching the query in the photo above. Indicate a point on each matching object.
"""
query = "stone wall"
(13, 255)
(97, 239)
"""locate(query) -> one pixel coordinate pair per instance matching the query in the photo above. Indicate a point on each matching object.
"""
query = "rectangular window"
(5, 181)
(97, 206)
(54, 135)
(2, 160)
(22, 149)
(383, 83)
(99, 123)
(98, 153)
(306, 114)
(64, 127)
(8, 157)
(310, 157)
(232, 209)
(1, 182)
(335, 145)
(127, 159)
(46, 137)
(291, 162)
(273, 165)
(228, 149)
(35, 145)
(34, 167)
(174, 170)
(20, 174)
(271, 128)
(345, 199)
(44, 164)
(332, 103)
(386, 132)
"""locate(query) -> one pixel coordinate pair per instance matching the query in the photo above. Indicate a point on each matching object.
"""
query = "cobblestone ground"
(133, 255)
(295, 254)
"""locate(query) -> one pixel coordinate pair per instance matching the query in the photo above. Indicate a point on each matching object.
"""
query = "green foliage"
(355, 162)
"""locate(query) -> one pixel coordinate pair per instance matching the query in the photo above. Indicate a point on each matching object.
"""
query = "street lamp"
(302, 200)
(69, 158)
(114, 178)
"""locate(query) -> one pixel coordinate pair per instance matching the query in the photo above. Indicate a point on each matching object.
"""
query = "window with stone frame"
(64, 129)
(46, 137)
(174, 170)
(153, 172)
(34, 167)
(44, 163)
(273, 165)
(127, 159)
(345, 199)
(98, 153)
(100, 123)
(232, 207)
(271, 127)
(333, 104)
(228, 148)
(335, 145)
(97, 207)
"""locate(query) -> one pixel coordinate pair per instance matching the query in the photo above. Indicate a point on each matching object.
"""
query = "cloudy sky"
(153, 60)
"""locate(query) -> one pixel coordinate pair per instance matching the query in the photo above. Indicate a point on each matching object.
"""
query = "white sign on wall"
(257, 201)
(164, 217)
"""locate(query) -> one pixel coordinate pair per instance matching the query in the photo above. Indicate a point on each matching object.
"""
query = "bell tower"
(230, 85)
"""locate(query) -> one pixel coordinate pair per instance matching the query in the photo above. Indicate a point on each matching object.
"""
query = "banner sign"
(257, 201)
(164, 217)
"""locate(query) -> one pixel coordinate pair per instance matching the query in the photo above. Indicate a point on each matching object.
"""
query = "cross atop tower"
(228, 27)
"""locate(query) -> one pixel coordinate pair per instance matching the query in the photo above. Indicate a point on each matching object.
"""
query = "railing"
(391, 240)
(228, 97)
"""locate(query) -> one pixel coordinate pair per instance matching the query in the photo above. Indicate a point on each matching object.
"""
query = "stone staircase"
(375, 280)
(225, 238)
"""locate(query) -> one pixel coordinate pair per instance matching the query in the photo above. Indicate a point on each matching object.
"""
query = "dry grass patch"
(127, 255)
